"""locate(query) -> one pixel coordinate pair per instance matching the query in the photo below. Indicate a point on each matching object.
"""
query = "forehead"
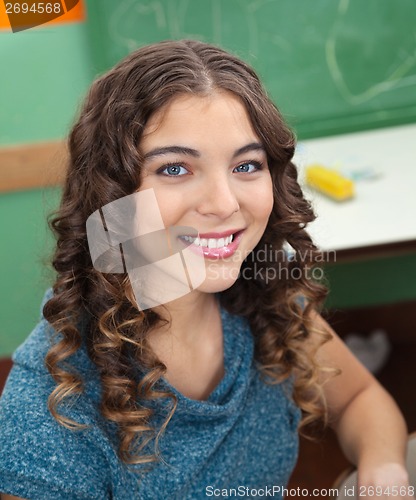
(217, 117)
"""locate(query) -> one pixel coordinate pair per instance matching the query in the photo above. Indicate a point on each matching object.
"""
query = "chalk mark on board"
(170, 20)
(395, 79)
(131, 9)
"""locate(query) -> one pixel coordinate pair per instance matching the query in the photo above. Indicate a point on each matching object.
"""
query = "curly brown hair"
(104, 165)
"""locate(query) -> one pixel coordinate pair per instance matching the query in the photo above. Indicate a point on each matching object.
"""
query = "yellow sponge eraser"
(329, 182)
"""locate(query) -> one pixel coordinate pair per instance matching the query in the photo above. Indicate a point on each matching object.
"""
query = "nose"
(218, 197)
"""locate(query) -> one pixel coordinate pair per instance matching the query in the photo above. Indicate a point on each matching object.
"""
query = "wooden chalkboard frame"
(32, 166)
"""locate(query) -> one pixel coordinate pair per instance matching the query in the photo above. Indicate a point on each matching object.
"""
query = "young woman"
(139, 388)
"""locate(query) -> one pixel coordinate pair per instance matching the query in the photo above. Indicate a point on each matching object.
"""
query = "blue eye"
(173, 170)
(248, 167)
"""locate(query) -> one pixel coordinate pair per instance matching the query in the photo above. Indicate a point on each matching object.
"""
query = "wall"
(45, 72)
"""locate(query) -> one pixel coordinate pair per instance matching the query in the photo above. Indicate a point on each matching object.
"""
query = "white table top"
(384, 208)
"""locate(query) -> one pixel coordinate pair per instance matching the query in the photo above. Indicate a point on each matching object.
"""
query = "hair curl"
(104, 165)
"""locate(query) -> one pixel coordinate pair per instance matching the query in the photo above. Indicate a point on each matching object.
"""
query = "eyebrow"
(172, 149)
(253, 146)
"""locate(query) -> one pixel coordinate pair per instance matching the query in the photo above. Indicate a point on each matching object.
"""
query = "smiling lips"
(215, 245)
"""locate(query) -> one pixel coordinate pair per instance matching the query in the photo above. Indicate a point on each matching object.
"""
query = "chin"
(212, 287)
(219, 280)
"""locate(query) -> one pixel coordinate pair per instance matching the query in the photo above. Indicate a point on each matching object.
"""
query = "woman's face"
(209, 171)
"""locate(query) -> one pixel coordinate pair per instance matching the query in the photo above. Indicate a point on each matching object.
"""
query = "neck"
(186, 315)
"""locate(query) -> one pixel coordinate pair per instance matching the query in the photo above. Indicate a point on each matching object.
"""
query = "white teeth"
(229, 239)
(210, 242)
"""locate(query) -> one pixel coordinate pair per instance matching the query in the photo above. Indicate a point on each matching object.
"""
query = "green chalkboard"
(331, 65)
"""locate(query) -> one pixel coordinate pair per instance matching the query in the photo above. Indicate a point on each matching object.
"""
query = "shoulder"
(30, 356)
(39, 457)
(30, 379)
(34, 349)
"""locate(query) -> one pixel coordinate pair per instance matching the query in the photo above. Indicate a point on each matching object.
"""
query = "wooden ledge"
(32, 166)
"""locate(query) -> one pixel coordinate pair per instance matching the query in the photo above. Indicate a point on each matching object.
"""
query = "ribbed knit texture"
(245, 434)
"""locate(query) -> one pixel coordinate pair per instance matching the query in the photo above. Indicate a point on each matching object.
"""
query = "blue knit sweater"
(239, 442)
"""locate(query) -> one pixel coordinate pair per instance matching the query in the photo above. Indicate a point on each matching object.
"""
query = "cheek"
(262, 201)
(172, 206)
(269, 203)
(169, 204)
